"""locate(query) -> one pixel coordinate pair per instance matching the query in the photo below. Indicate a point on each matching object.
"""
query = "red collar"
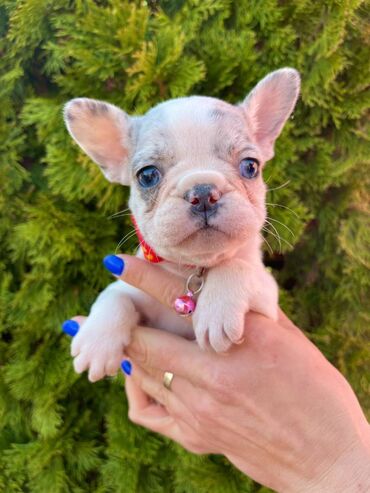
(148, 251)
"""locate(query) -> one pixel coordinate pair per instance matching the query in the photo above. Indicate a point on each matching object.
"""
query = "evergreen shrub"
(59, 433)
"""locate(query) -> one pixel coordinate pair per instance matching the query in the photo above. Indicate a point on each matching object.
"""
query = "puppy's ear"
(102, 131)
(269, 105)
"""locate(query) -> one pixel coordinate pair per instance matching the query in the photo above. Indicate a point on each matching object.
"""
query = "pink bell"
(185, 305)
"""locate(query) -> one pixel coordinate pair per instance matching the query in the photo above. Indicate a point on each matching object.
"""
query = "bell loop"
(195, 282)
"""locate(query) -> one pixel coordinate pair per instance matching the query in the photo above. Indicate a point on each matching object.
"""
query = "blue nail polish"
(70, 327)
(126, 366)
(114, 264)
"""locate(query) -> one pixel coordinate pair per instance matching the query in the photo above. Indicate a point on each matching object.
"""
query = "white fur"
(193, 141)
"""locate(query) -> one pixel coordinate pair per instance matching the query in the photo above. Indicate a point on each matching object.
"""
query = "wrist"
(350, 473)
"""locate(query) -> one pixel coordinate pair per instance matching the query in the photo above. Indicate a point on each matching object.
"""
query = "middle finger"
(183, 400)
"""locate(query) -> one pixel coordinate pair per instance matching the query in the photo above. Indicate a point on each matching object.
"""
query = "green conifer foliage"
(59, 433)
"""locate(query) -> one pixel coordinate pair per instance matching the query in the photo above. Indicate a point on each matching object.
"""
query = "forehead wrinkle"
(153, 148)
(154, 143)
(192, 127)
(216, 114)
(191, 124)
(231, 137)
(150, 154)
(240, 146)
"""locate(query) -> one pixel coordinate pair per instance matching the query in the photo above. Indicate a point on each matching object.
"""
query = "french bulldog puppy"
(194, 165)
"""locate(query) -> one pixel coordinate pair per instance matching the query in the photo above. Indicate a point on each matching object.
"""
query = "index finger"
(168, 352)
(162, 285)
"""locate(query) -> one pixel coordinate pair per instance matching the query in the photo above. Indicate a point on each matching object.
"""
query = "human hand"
(273, 405)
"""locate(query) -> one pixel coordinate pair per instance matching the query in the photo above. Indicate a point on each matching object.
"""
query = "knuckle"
(176, 413)
(198, 425)
(139, 351)
(262, 334)
(136, 274)
(204, 409)
(132, 416)
(161, 395)
(170, 293)
(171, 360)
(144, 355)
(220, 384)
(193, 447)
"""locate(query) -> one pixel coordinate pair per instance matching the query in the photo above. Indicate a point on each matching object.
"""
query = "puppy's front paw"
(98, 347)
(219, 323)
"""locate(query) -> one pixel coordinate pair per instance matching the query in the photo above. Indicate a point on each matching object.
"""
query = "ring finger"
(145, 412)
(182, 400)
(152, 385)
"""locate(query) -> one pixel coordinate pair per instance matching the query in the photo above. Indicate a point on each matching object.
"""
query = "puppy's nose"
(203, 199)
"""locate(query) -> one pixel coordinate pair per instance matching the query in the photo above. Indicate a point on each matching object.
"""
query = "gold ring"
(167, 379)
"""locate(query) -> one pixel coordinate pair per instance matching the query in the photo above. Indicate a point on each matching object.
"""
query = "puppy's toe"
(219, 340)
(76, 346)
(201, 334)
(81, 363)
(234, 329)
(111, 367)
(96, 371)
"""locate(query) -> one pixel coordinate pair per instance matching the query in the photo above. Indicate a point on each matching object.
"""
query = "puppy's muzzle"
(203, 199)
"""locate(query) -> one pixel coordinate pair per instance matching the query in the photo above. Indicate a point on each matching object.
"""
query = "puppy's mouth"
(205, 230)
(204, 245)
(205, 224)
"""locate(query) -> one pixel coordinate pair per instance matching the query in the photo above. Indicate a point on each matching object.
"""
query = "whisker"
(280, 186)
(277, 236)
(119, 213)
(128, 236)
(122, 242)
(281, 238)
(116, 216)
(285, 226)
(120, 245)
(141, 244)
(284, 207)
(269, 232)
(268, 244)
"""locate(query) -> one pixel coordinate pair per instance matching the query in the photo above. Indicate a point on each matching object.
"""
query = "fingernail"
(114, 264)
(70, 327)
(126, 366)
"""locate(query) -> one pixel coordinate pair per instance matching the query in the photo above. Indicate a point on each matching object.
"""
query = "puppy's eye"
(249, 167)
(149, 176)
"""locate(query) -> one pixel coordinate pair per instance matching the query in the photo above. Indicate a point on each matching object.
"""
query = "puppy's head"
(194, 164)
